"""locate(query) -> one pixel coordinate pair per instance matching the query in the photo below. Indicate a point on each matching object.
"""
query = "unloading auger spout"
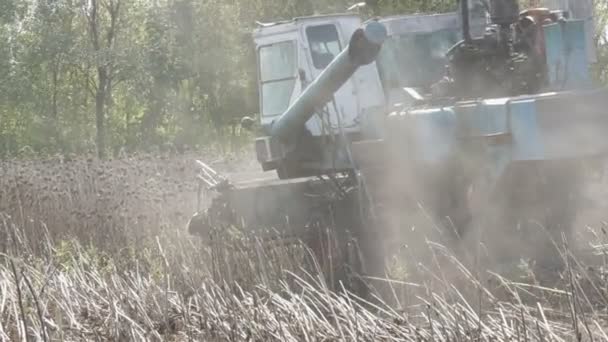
(363, 49)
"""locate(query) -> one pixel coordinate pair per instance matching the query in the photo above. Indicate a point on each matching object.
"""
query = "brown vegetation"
(93, 250)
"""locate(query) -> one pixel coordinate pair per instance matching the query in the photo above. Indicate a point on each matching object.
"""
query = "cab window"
(324, 44)
(277, 76)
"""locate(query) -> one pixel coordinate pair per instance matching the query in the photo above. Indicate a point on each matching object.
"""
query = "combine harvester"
(482, 117)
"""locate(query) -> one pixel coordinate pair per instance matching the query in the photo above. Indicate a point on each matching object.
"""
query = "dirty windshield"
(277, 75)
(424, 50)
(324, 44)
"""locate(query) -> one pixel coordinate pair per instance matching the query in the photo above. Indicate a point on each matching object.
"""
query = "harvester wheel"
(343, 250)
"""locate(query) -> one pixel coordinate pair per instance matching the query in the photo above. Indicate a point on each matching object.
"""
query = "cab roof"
(292, 24)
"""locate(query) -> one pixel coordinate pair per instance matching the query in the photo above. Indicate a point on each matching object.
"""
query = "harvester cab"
(292, 54)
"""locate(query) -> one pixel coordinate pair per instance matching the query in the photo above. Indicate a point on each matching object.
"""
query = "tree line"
(110, 75)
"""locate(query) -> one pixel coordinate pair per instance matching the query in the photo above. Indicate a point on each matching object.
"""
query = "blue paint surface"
(527, 139)
(539, 127)
(567, 55)
(575, 54)
(556, 66)
(434, 133)
(438, 132)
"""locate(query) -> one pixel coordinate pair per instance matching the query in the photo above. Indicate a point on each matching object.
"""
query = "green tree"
(101, 75)
(102, 26)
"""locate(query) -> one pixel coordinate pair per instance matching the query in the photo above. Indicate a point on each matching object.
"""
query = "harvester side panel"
(567, 55)
(573, 125)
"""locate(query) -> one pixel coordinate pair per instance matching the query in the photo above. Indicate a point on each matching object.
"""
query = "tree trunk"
(55, 73)
(54, 124)
(104, 68)
(100, 101)
(153, 115)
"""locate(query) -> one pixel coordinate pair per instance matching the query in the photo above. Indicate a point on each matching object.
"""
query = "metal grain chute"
(363, 48)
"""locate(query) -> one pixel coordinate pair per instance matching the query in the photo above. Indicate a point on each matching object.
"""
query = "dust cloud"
(519, 222)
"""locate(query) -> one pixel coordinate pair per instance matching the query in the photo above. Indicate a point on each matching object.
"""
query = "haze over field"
(105, 108)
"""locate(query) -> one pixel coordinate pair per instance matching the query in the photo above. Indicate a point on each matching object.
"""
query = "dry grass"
(96, 251)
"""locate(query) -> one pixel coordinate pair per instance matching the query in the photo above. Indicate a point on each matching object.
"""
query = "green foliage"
(177, 72)
(70, 255)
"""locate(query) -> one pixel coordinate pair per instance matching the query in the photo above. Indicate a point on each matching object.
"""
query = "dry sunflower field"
(96, 250)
